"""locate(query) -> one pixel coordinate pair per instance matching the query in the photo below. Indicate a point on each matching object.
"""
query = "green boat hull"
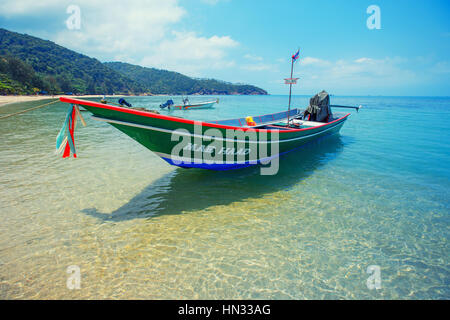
(193, 144)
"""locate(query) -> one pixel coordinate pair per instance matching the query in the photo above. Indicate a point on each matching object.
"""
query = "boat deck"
(260, 121)
(278, 121)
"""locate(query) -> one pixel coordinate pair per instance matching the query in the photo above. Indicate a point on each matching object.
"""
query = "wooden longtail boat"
(215, 145)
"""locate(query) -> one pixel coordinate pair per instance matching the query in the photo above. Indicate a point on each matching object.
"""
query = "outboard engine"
(319, 108)
(166, 104)
(122, 102)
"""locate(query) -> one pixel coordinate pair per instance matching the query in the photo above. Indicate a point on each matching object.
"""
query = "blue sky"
(251, 41)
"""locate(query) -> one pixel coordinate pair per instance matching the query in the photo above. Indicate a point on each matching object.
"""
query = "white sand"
(14, 99)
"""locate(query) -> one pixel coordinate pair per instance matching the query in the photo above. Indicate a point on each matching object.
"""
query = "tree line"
(29, 65)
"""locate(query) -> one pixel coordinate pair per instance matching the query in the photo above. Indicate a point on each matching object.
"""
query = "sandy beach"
(4, 100)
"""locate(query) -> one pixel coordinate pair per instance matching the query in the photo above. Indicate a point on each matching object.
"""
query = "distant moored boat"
(200, 105)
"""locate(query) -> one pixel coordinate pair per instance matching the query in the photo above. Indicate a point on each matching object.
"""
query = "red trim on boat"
(275, 126)
(175, 119)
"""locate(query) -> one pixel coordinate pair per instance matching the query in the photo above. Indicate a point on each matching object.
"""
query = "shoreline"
(7, 100)
(10, 99)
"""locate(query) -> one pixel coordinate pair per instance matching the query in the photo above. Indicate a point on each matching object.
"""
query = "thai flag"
(296, 55)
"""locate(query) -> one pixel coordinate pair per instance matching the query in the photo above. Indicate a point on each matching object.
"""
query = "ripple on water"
(139, 228)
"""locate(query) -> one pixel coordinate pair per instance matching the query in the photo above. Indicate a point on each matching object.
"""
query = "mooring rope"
(26, 110)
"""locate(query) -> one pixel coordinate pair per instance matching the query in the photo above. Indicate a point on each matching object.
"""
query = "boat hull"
(284, 147)
(196, 106)
(193, 144)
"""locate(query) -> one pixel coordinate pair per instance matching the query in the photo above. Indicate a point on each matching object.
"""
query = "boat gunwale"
(130, 124)
(187, 121)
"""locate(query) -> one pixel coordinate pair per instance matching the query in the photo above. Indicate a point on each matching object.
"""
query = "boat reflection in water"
(183, 191)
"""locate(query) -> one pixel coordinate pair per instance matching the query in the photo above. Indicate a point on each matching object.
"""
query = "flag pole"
(290, 91)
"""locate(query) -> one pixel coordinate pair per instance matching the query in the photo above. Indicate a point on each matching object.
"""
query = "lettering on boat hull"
(235, 147)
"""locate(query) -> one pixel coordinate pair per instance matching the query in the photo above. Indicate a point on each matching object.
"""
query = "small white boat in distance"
(200, 105)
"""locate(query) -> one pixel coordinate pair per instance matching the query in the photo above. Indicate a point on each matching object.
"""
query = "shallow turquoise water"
(377, 194)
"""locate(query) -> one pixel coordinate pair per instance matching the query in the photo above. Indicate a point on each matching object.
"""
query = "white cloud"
(253, 57)
(367, 71)
(189, 53)
(257, 64)
(257, 67)
(24, 7)
(356, 75)
(124, 28)
(441, 67)
(364, 60)
(313, 61)
(141, 32)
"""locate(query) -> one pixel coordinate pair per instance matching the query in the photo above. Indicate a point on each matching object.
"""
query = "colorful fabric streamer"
(65, 139)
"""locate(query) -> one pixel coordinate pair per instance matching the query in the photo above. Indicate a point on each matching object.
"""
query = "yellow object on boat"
(250, 121)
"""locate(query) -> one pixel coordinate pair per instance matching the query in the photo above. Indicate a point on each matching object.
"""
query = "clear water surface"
(377, 194)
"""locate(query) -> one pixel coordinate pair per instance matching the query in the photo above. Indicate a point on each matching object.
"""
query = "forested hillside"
(29, 64)
(168, 82)
(63, 70)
